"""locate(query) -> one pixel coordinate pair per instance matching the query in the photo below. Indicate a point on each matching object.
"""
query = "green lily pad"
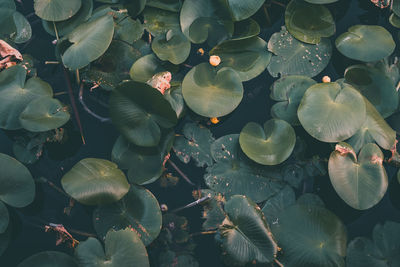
(310, 199)
(44, 114)
(245, 29)
(366, 43)
(128, 29)
(382, 251)
(374, 129)
(170, 5)
(87, 42)
(394, 20)
(196, 144)
(309, 22)
(241, 10)
(56, 10)
(135, 7)
(233, 173)
(138, 111)
(279, 202)
(173, 47)
(321, 1)
(16, 94)
(376, 85)
(248, 57)
(245, 234)
(310, 235)
(361, 182)
(213, 213)
(4, 218)
(5, 239)
(7, 23)
(332, 112)
(288, 91)
(139, 210)
(269, 146)
(49, 259)
(175, 97)
(159, 22)
(66, 26)
(23, 30)
(147, 66)
(292, 57)
(17, 185)
(95, 181)
(211, 93)
(122, 248)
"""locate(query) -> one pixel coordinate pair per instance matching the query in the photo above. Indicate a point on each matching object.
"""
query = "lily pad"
(87, 42)
(278, 203)
(16, 94)
(241, 10)
(56, 10)
(211, 93)
(394, 20)
(366, 43)
(122, 248)
(4, 218)
(175, 98)
(248, 57)
(288, 91)
(292, 57)
(309, 22)
(321, 1)
(361, 182)
(246, 237)
(23, 30)
(269, 146)
(95, 181)
(310, 235)
(139, 210)
(245, 29)
(147, 66)
(49, 259)
(159, 22)
(332, 112)
(171, 5)
(213, 211)
(138, 111)
(173, 47)
(5, 239)
(44, 114)
(17, 185)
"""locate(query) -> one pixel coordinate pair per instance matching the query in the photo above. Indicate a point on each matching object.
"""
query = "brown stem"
(203, 233)
(278, 3)
(100, 118)
(52, 185)
(180, 172)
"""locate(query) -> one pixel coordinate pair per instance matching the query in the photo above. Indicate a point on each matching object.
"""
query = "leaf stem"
(52, 185)
(100, 118)
(203, 233)
(192, 204)
(55, 30)
(180, 172)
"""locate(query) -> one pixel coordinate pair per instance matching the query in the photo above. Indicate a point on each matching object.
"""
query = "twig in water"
(52, 185)
(100, 118)
(203, 233)
(194, 203)
(180, 172)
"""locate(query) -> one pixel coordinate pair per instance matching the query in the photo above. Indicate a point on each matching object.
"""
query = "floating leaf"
(310, 199)
(310, 235)
(4, 218)
(394, 20)
(49, 259)
(17, 185)
(23, 30)
(135, 7)
(175, 97)
(56, 10)
(245, 233)
(147, 66)
(241, 10)
(122, 248)
(361, 182)
(292, 57)
(5, 239)
(211, 93)
(279, 202)
(159, 22)
(288, 91)
(366, 43)
(269, 146)
(245, 29)
(171, 5)
(213, 212)
(95, 181)
(309, 22)
(173, 47)
(332, 112)
(138, 111)
(321, 1)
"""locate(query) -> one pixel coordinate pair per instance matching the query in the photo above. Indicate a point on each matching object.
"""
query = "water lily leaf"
(292, 57)
(332, 112)
(66, 26)
(366, 43)
(175, 97)
(211, 93)
(269, 146)
(245, 234)
(288, 91)
(49, 259)
(16, 94)
(233, 173)
(241, 10)
(23, 30)
(374, 129)
(4, 218)
(95, 181)
(321, 1)
(361, 182)
(173, 47)
(5, 239)
(279, 202)
(25, 155)
(122, 248)
(196, 144)
(138, 111)
(376, 85)
(206, 20)
(139, 210)
(170, 5)
(87, 42)
(159, 22)
(7, 23)
(310, 235)
(309, 22)
(56, 10)
(17, 185)
(213, 211)
(310, 199)
(394, 20)
(245, 29)
(382, 251)
(249, 57)
(128, 29)
(8, 4)
(44, 114)
(135, 7)
(147, 66)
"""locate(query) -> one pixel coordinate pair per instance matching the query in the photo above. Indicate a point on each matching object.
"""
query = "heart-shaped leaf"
(241, 10)
(56, 10)
(95, 181)
(321, 1)
(332, 112)
(48, 259)
(245, 29)
(279, 202)
(269, 146)
(159, 22)
(147, 66)
(366, 43)
(361, 182)
(173, 47)
(211, 93)
(171, 5)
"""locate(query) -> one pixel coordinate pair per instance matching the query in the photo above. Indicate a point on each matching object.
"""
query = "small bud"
(214, 120)
(200, 51)
(326, 79)
(163, 207)
(215, 60)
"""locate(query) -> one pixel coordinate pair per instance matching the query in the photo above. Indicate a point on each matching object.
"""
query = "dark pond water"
(29, 238)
